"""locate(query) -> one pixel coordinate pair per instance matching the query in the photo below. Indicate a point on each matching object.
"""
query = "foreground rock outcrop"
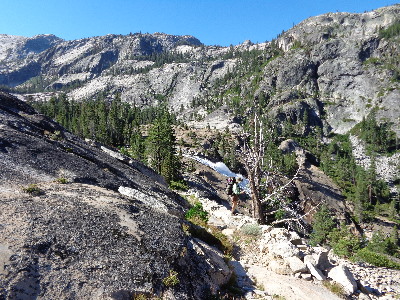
(67, 231)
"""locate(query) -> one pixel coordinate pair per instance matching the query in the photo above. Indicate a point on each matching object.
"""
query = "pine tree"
(161, 147)
(101, 112)
(323, 224)
(360, 197)
(136, 142)
(115, 121)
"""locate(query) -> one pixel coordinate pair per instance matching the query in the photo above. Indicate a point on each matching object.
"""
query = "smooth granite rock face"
(109, 229)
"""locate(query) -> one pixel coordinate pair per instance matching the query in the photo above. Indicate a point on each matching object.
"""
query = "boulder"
(280, 267)
(322, 261)
(295, 264)
(288, 146)
(114, 154)
(343, 276)
(315, 272)
(319, 259)
(309, 258)
(295, 239)
(281, 250)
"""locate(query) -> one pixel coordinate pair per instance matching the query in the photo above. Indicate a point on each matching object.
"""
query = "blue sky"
(213, 22)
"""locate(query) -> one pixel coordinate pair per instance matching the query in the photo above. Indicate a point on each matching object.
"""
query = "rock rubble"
(278, 254)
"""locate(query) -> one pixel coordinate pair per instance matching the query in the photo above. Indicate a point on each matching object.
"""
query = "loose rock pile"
(281, 255)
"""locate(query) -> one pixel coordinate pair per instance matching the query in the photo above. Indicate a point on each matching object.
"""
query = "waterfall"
(221, 168)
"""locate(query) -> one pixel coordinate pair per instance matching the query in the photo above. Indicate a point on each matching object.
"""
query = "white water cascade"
(221, 168)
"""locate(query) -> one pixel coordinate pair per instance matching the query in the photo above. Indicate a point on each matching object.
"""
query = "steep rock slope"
(83, 239)
(18, 61)
(341, 61)
(87, 58)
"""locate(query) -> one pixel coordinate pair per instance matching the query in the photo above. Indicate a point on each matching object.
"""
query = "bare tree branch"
(299, 220)
(281, 188)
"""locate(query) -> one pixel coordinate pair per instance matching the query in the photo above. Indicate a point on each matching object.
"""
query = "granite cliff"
(335, 67)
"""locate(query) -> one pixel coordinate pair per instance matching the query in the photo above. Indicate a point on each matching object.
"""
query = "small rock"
(297, 275)
(364, 297)
(228, 231)
(364, 288)
(310, 258)
(307, 277)
(280, 267)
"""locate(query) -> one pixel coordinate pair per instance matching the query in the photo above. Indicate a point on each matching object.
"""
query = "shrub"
(171, 279)
(372, 61)
(323, 224)
(376, 259)
(251, 229)
(379, 243)
(180, 185)
(280, 214)
(224, 244)
(335, 288)
(61, 180)
(392, 31)
(197, 212)
(33, 190)
(142, 296)
(343, 242)
(56, 136)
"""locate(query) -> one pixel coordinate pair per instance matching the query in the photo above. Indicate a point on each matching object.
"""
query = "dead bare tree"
(259, 171)
(252, 157)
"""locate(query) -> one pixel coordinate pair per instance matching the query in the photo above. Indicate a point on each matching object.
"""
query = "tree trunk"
(257, 210)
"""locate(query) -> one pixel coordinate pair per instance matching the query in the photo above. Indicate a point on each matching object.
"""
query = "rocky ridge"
(334, 67)
(14, 48)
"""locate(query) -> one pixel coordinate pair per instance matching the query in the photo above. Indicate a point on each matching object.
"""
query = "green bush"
(392, 31)
(335, 288)
(379, 243)
(197, 212)
(376, 259)
(171, 279)
(251, 229)
(279, 214)
(61, 180)
(180, 185)
(33, 190)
